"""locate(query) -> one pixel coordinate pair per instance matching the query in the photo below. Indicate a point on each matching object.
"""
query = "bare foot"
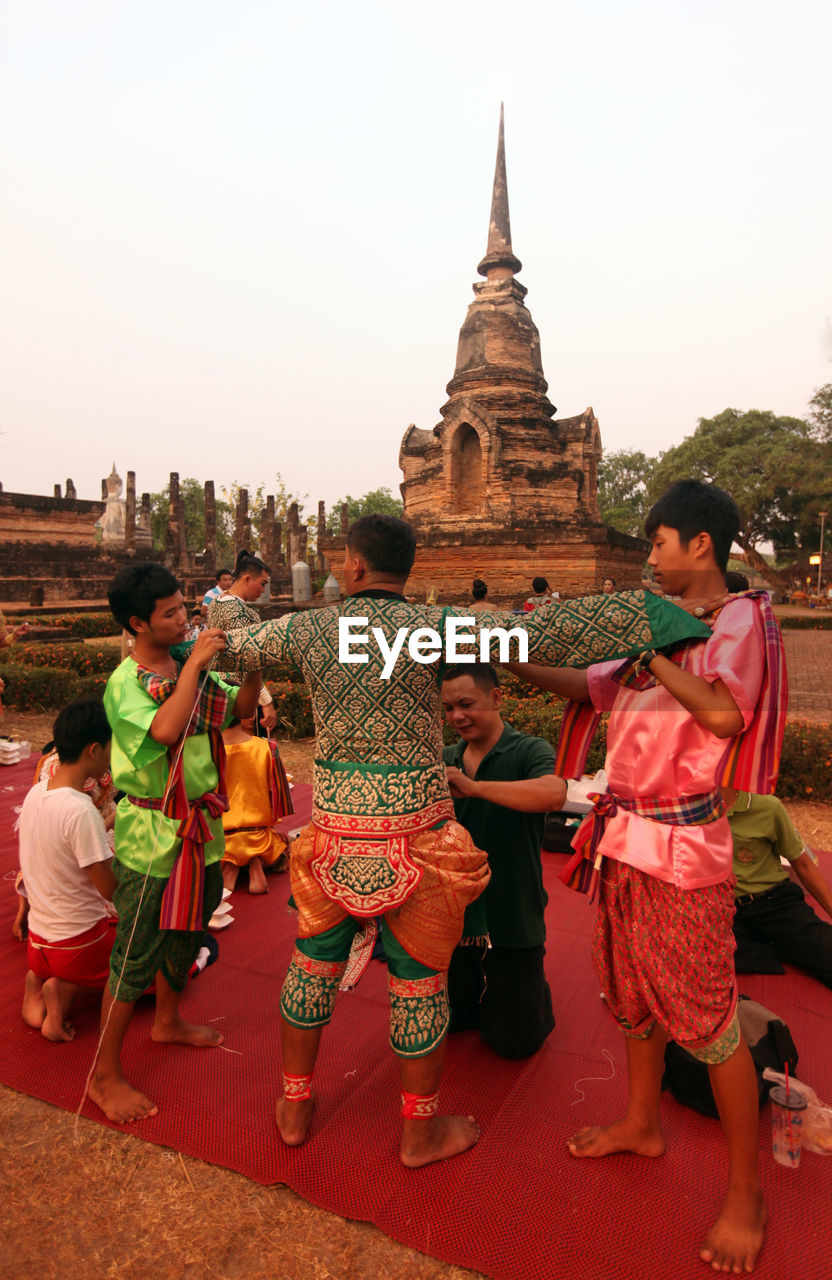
(622, 1135)
(230, 871)
(58, 996)
(257, 877)
(179, 1032)
(439, 1138)
(293, 1119)
(735, 1239)
(34, 1005)
(119, 1100)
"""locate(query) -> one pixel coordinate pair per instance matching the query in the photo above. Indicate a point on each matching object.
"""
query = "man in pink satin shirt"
(663, 946)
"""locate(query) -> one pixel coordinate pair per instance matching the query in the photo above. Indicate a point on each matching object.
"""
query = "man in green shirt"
(166, 711)
(773, 920)
(503, 783)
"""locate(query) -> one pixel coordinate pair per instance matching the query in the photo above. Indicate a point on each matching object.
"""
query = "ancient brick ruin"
(500, 488)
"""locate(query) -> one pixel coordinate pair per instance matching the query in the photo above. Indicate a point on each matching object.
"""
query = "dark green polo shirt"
(514, 900)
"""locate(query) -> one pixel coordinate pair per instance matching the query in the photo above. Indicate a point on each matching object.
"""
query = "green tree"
(775, 468)
(820, 412)
(623, 477)
(376, 502)
(192, 493)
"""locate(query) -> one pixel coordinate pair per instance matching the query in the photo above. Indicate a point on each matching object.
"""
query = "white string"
(164, 800)
(591, 1079)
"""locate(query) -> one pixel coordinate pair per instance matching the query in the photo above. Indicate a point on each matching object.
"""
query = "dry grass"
(105, 1203)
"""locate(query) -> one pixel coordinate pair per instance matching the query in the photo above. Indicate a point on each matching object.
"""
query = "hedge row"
(804, 622)
(46, 688)
(83, 659)
(83, 626)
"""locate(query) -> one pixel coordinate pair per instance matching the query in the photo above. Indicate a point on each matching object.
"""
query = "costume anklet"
(417, 1106)
(296, 1088)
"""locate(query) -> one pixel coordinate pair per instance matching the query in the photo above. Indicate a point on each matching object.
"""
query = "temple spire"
(499, 260)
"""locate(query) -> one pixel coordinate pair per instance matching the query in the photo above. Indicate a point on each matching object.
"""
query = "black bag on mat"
(771, 1045)
(558, 830)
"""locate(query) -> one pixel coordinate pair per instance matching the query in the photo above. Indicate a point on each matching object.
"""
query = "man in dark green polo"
(503, 783)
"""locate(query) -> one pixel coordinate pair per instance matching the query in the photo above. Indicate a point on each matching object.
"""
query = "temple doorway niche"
(466, 470)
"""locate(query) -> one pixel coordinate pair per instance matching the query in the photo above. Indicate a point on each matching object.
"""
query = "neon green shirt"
(139, 765)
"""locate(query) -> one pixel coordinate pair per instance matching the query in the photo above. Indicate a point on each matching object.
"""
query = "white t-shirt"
(61, 833)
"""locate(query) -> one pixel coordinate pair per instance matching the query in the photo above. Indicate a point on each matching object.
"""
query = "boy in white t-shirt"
(66, 863)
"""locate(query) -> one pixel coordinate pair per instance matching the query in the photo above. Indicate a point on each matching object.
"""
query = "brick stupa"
(500, 488)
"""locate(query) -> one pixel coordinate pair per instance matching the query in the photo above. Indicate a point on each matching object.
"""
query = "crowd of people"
(439, 847)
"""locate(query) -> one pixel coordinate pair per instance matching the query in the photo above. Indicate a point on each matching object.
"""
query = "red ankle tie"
(297, 1088)
(417, 1106)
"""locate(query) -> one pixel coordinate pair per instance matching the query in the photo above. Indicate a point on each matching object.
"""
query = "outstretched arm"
(526, 795)
(569, 682)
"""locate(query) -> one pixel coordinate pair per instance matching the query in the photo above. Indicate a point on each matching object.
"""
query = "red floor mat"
(515, 1206)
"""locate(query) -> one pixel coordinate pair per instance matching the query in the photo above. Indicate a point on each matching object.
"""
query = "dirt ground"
(150, 1213)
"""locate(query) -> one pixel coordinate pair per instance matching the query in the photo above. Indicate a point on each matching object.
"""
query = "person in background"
(234, 608)
(543, 594)
(773, 921)
(224, 577)
(479, 596)
(608, 586)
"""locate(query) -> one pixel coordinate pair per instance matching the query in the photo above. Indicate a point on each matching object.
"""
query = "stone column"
(144, 535)
(267, 547)
(70, 490)
(345, 519)
(130, 514)
(277, 536)
(175, 542)
(293, 536)
(321, 534)
(57, 491)
(103, 490)
(242, 524)
(210, 526)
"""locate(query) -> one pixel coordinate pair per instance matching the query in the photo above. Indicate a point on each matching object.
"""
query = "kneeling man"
(503, 783)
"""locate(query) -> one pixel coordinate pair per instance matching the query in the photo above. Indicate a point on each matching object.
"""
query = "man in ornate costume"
(383, 840)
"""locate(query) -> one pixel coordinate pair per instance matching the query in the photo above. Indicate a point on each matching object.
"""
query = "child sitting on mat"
(66, 863)
(258, 797)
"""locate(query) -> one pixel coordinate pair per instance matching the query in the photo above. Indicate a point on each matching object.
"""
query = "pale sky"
(240, 239)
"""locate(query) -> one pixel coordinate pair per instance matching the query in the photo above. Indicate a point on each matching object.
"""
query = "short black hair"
(220, 572)
(136, 588)
(80, 724)
(691, 507)
(483, 674)
(735, 581)
(539, 585)
(247, 563)
(479, 589)
(386, 543)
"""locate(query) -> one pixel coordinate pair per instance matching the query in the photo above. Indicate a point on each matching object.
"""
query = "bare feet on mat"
(257, 877)
(58, 998)
(735, 1239)
(33, 1010)
(424, 1141)
(230, 871)
(119, 1100)
(622, 1135)
(293, 1119)
(179, 1032)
